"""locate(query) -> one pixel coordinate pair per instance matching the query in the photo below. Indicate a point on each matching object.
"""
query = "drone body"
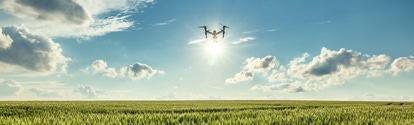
(214, 33)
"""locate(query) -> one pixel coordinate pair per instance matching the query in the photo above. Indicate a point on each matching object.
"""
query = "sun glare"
(214, 48)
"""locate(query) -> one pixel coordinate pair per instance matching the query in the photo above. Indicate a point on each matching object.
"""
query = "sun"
(214, 48)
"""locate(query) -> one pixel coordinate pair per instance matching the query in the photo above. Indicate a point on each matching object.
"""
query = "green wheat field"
(205, 112)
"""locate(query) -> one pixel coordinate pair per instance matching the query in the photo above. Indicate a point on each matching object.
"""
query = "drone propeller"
(224, 26)
(205, 30)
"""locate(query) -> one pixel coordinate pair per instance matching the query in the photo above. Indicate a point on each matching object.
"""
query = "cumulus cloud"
(402, 64)
(164, 23)
(31, 51)
(244, 39)
(64, 11)
(261, 64)
(327, 69)
(240, 77)
(134, 71)
(139, 70)
(343, 63)
(89, 91)
(45, 93)
(77, 19)
(99, 65)
(10, 87)
(277, 76)
(5, 40)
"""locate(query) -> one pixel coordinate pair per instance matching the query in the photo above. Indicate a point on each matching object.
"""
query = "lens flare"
(214, 48)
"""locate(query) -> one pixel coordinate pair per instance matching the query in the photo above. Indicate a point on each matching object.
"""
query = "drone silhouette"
(214, 33)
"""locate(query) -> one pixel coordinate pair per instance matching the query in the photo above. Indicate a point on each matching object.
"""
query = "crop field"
(205, 112)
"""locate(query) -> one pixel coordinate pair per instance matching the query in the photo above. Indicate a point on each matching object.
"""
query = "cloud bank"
(89, 91)
(327, 69)
(20, 47)
(134, 71)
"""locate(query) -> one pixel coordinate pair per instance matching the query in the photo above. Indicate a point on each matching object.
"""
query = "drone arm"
(207, 31)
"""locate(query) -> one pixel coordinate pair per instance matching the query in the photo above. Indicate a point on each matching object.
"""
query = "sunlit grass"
(205, 112)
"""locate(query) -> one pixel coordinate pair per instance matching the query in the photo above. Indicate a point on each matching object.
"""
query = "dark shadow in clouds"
(329, 68)
(261, 64)
(31, 51)
(65, 11)
(139, 70)
(330, 63)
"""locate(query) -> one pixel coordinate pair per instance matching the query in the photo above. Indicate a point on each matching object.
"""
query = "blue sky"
(153, 50)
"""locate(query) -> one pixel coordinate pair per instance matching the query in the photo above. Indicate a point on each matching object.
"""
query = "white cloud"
(77, 19)
(4, 67)
(240, 77)
(63, 11)
(327, 69)
(139, 70)
(273, 30)
(89, 91)
(5, 40)
(277, 77)
(342, 64)
(197, 41)
(135, 71)
(284, 88)
(111, 72)
(164, 23)
(45, 93)
(10, 87)
(251, 31)
(261, 64)
(402, 64)
(245, 39)
(32, 51)
(99, 65)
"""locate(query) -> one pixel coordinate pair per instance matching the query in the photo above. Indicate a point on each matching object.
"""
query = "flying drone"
(214, 33)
